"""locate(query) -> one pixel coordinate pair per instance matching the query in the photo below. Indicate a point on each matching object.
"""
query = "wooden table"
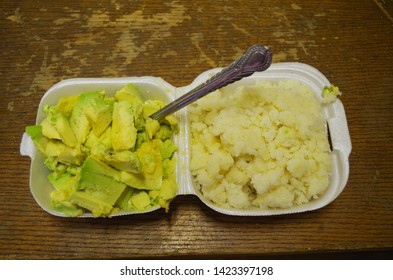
(44, 42)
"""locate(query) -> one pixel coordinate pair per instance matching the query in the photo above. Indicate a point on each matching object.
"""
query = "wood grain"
(50, 41)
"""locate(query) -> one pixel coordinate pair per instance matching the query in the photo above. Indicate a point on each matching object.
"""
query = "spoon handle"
(256, 58)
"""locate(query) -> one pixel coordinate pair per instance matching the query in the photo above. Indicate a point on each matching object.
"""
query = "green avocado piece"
(97, 179)
(151, 106)
(63, 182)
(167, 149)
(85, 200)
(65, 105)
(124, 160)
(140, 201)
(98, 146)
(124, 200)
(99, 114)
(60, 202)
(56, 126)
(152, 126)
(152, 169)
(168, 189)
(78, 119)
(165, 132)
(124, 132)
(39, 140)
(173, 123)
(141, 137)
(130, 93)
(34, 131)
(64, 186)
(63, 153)
(63, 127)
(49, 129)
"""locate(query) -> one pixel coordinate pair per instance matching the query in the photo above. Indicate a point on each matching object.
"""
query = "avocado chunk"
(98, 146)
(152, 126)
(88, 201)
(130, 93)
(167, 149)
(64, 182)
(49, 129)
(124, 132)
(151, 106)
(62, 204)
(64, 185)
(168, 189)
(96, 189)
(39, 140)
(140, 201)
(66, 104)
(99, 114)
(151, 178)
(124, 160)
(78, 119)
(124, 200)
(56, 126)
(63, 153)
(63, 127)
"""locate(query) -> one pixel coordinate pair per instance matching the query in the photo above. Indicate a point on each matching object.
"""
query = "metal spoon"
(256, 58)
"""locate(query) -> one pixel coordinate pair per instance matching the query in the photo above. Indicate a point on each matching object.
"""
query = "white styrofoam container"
(157, 88)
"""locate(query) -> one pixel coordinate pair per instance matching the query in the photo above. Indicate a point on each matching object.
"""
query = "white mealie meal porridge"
(263, 145)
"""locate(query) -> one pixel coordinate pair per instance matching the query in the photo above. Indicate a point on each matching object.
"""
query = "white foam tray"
(157, 88)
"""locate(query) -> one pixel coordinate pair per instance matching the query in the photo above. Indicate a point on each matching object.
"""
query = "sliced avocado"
(124, 132)
(106, 154)
(139, 181)
(151, 178)
(98, 179)
(78, 120)
(64, 185)
(167, 149)
(151, 106)
(63, 182)
(167, 192)
(124, 200)
(140, 201)
(99, 114)
(49, 129)
(150, 155)
(165, 195)
(56, 126)
(124, 160)
(39, 140)
(63, 127)
(65, 105)
(130, 93)
(85, 200)
(141, 137)
(169, 167)
(34, 131)
(98, 146)
(139, 120)
(96, 188)
(173, 123)
(165, 132)
(61, 204)
(152, 126)
(63, 153)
